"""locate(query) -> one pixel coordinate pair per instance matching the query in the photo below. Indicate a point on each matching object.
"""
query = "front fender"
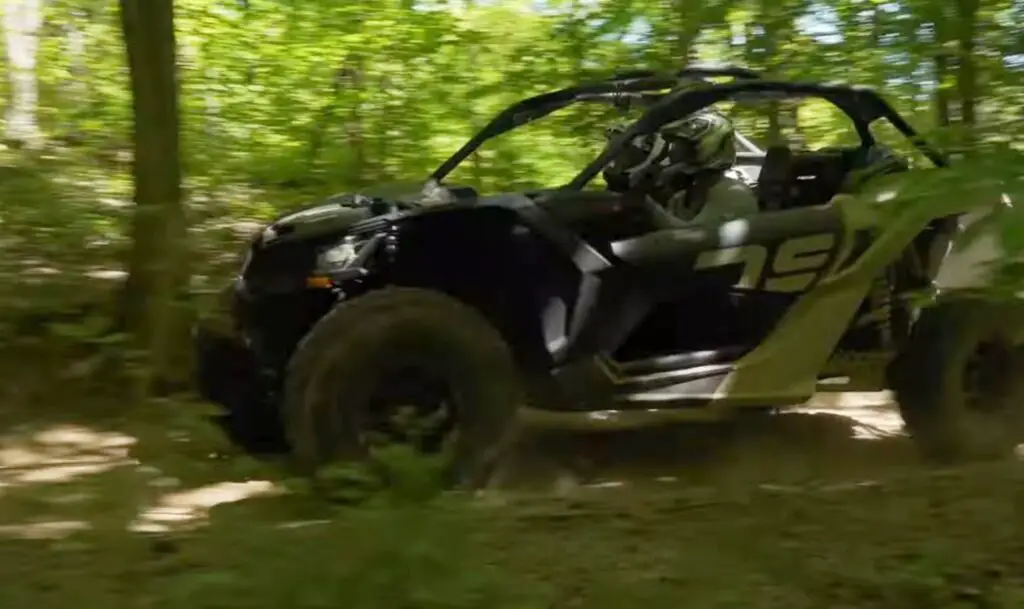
(490, 258)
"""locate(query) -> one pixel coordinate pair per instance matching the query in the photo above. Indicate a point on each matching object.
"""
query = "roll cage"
(862, 105)
(664, 102)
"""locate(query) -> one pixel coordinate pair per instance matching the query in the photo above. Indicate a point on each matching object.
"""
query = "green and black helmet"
(701, 142)
(704, 141)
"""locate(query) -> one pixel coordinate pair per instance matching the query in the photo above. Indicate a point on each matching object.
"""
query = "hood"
(338, 212)
(331, 216)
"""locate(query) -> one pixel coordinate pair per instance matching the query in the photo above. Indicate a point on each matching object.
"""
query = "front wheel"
(403, 365)
(959, 380)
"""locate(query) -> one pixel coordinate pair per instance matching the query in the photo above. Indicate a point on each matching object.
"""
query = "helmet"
(700, 142)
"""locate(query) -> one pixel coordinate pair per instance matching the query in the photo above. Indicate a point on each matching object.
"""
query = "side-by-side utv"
(577, 306)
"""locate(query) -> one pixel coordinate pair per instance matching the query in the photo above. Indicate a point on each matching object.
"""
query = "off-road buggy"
(586, 308)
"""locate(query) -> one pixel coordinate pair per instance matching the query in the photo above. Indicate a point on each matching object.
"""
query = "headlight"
(344, 260)
(338, 255)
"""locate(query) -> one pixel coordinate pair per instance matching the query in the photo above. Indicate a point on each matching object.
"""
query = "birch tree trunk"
(22, 21)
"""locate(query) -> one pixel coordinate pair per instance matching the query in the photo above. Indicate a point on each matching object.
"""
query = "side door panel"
(772, 257)
(781, 252)
(789, 266)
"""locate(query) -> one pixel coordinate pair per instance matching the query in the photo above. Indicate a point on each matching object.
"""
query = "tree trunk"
(22, 21)
(342, 75)
(76, 87)
(942, 109)
(355, 136)
(773, 27)
(967, 77)
(474, 118)
(688, 29)
(943, 77)
(157, 263)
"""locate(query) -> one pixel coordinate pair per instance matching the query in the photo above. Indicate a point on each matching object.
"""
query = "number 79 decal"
(791, 266)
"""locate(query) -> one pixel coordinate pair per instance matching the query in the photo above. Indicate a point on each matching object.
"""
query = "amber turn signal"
(318, 281)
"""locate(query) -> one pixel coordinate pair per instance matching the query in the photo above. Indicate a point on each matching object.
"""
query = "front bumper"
(227, 370)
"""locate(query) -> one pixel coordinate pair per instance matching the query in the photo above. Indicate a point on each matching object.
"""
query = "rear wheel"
(960, 380)
(403, 365)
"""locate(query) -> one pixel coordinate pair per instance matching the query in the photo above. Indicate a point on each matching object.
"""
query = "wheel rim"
(410, 406)
(986, 378)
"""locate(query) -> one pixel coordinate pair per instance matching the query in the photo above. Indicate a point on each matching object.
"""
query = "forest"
(145, 142)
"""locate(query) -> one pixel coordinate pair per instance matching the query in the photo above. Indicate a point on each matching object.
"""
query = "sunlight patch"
(65, 472)
(23, 448)
(852, 399)
(106, 274)
(301, 524)
(872, 432)
(869, 423)
(84, 438)
(20, 456)
(55, 529)
(60, 453)
(607, 484)
(190, 507)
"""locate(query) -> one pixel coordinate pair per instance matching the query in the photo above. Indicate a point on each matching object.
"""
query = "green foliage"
(284, 103)
(346, 94)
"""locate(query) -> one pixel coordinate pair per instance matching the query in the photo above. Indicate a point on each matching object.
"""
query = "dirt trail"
(58, 472)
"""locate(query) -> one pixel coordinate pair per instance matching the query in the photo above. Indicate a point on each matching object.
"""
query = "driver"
(687, 168)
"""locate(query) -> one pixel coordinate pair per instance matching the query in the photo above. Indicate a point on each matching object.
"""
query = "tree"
(22, 20)
(967, 73)
(156, 263)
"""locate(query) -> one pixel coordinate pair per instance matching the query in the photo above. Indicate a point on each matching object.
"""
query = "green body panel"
(784, 369)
